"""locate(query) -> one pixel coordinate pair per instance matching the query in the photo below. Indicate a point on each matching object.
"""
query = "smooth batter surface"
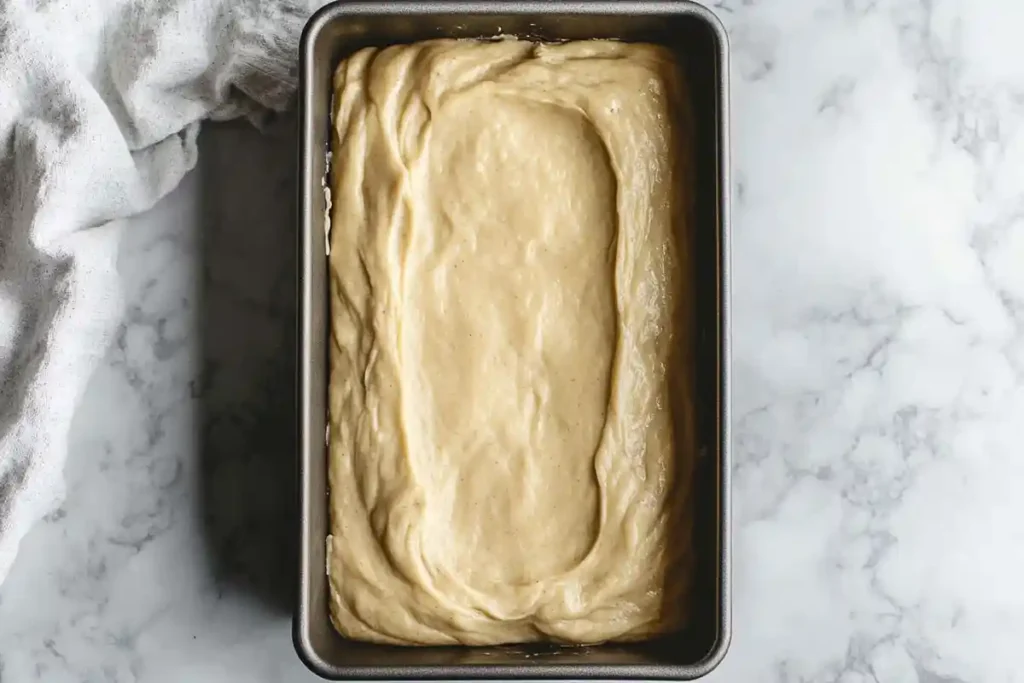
(506, 369)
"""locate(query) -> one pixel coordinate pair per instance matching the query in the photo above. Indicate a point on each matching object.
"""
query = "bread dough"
(506, 389)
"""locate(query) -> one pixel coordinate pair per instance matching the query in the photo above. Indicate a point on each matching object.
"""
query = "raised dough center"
(509, 335)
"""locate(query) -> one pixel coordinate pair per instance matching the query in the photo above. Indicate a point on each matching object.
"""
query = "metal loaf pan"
(699, 40)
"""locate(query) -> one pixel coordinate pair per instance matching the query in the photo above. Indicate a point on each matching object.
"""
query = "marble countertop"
(879, 381)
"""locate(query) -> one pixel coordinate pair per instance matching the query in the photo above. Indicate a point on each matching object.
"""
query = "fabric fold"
(100, 107)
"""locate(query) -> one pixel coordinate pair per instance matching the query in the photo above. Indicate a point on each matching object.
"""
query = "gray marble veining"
(879, 381)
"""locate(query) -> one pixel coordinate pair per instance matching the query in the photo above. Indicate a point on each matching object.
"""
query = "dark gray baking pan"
(699, 40)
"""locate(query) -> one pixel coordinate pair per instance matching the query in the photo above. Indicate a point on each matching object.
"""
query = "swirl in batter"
(509, 418)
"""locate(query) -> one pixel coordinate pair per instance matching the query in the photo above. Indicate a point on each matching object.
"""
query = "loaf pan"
(699, 41)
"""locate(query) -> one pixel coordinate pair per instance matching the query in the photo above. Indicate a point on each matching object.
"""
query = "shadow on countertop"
(247, 320)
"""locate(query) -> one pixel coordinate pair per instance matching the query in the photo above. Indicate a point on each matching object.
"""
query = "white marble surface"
(879, 381)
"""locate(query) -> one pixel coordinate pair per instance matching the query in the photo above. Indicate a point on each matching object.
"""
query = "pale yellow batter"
(509, 432)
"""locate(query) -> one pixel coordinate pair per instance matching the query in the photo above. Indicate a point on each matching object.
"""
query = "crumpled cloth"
(100, 105)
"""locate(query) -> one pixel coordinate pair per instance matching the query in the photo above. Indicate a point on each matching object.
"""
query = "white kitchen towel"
(100, 104)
